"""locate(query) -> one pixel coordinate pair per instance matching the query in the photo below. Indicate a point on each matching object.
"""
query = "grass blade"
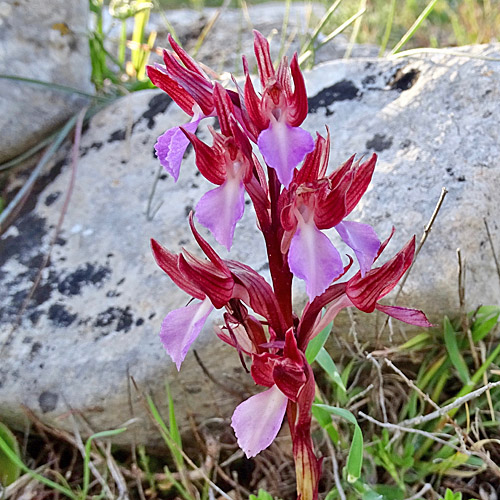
(450, 340)
(174, 431)
(317, 343)
(86, 459)
(388, 28)
(326, 362)
(409, 34)
(9, 470)
(12, 456)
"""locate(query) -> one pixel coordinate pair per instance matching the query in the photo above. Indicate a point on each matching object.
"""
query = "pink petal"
(257, 421)
(313, 258)
(410, 316)
(284, 147)
(363, 240)
(181, 327)
(221, 208)
(171, 146)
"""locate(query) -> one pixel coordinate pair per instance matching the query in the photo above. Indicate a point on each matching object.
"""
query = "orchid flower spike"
(279, 111)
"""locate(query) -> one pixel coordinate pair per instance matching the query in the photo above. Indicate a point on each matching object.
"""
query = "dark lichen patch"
(48, 401)
(158, 104)
(368, 80)
(379, 142)
(51, 198)
(117, 135)
(121, 318)
(90, 274)
(35, 316)
(35, 349)
(139, 322)
(60, 316)
(404, 80)
(31, 230)
(341, 91)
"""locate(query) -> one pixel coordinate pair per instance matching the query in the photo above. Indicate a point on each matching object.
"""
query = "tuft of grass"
(411, 453)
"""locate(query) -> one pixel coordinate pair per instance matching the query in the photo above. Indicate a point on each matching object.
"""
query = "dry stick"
(381, 385)
(74, 163)
(226, 388)
(463, 436)
(401, 428)
(490, 239)
(425, 234)
(419, 494)
(463, 313)
(423, 239)
(335, 467)
(92, 467)
(427, 398)
(445, 409)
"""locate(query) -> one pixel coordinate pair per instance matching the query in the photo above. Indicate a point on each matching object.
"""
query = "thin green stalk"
(86, 459)
(53, 86)
(284, 28)
(27, 154)
(47, 482)
(328, 14)
(64, 132)
(409, 34)
(388, 28)
(355, 30)
(305, 56)
(123, 43)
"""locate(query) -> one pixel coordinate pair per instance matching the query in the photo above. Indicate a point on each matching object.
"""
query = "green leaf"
(86, 460)
(326, 362)
(485, 320)
(262, 495)
(325, 421)
(317, 343)
(174, 431)
(355, 458)
(9, 470)
(450, 339)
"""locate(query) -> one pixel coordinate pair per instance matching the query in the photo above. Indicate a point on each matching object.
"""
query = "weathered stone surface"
(94, 317)
(47, 43)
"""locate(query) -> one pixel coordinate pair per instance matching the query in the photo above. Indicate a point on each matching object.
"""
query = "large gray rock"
(43, 42)
(94, 317)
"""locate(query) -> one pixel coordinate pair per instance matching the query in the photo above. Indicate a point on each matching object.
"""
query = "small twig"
(402, 428)
(425, 234)
(335, 467)
(150, 214)
(419, 494)
(92, 467)
(365, 391)
(490, 239)
(225, 387)
(445, 409)
(381, 385)
(463, 313)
